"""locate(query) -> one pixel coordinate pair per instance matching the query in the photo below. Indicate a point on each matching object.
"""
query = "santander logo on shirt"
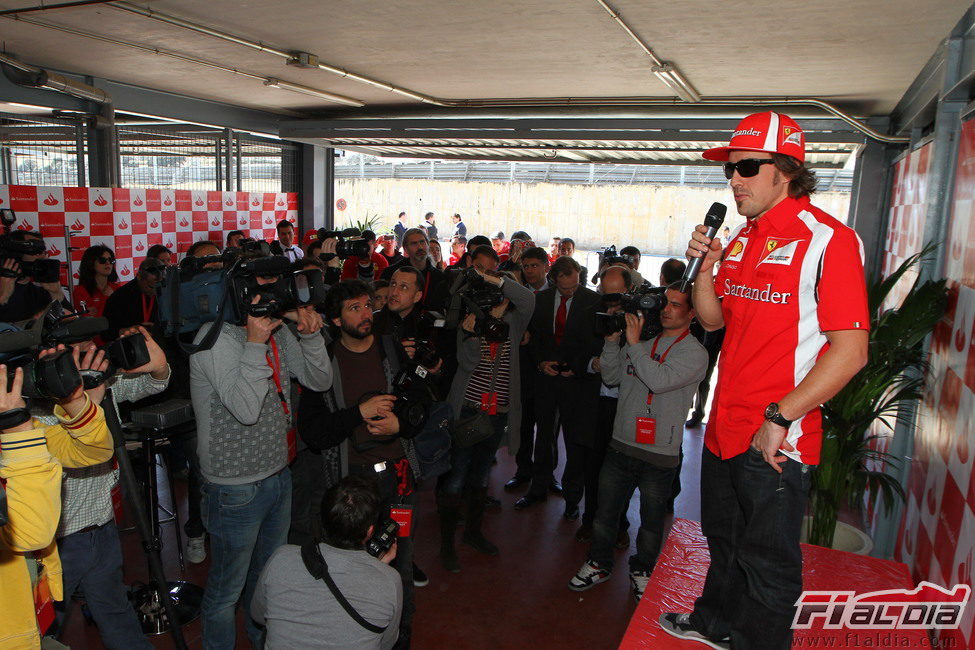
(759, 294)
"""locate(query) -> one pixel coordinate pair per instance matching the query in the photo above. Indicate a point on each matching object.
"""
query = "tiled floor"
(517, 600)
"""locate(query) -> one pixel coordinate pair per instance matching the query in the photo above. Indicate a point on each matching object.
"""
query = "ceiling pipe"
(666, 71)
(516, 102)
(43, 7)
(308, 90)
(24, 74)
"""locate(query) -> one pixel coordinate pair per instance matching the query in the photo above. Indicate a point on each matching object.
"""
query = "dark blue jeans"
(618, 478)
(751, 516)
(469, 466)
(92, 562)
(247, 523)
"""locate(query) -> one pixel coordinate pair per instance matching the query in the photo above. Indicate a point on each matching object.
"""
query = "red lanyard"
(426, 287)
(663, 358)
(276, 374)
(147, 307)
(493, 349)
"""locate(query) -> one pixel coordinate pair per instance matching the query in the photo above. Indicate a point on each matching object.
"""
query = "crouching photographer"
(239, 386)
(371, 426)
(307, 592)
(485, 397)
(32, 455)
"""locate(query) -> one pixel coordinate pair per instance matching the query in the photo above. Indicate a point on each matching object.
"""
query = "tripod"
(170, 615)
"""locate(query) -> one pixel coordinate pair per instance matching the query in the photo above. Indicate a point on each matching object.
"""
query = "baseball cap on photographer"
(769, 131)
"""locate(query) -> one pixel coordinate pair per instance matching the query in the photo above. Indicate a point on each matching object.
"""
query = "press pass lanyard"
(276, 374)
(653, 351)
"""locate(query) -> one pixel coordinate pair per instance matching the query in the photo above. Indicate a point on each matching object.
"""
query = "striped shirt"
(480, 381)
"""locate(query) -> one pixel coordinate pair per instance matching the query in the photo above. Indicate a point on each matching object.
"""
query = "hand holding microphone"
(704, 249)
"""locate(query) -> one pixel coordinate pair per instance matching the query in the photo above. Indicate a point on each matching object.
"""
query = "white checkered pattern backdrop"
(937, 535)
(129, 221)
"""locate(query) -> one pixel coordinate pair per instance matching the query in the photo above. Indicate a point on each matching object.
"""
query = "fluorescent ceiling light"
(668, 74)
(314, 92)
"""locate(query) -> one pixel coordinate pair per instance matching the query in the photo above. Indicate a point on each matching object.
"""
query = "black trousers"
(751, 516)
(605, 417)
(529, 422)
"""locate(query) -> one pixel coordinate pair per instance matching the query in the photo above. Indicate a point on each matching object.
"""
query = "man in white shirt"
(285, 245)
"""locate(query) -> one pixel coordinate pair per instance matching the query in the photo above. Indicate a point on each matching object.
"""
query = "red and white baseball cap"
(768, 131)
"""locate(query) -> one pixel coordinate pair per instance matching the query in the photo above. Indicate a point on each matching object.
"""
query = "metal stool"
(152, 425)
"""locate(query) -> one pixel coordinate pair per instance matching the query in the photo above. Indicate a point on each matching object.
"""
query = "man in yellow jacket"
(31, 457)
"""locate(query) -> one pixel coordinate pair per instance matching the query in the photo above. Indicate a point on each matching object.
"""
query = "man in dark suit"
(565, 341)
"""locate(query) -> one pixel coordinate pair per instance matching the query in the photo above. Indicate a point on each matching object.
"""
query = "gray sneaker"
(639, 580)
(679, 625)
(196, 550)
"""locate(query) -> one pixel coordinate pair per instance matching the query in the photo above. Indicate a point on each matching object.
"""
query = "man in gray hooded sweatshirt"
(657, 379)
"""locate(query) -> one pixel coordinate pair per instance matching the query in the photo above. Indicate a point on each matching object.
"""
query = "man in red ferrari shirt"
(791, 293)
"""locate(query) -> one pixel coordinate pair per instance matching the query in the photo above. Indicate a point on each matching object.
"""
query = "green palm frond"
(893, 377)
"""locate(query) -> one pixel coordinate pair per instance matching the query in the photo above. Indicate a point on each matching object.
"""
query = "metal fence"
(41, 151)
(200, 158)
(53, 151)
(364, 167)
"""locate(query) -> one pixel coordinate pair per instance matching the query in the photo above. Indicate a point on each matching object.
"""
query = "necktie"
(560, 320)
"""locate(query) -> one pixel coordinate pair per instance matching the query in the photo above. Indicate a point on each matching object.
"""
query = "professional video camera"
(649, 302)
(472, 294)
(609, 256)
(193, 295)
(41, 270)
(350, 243)
(55, 376)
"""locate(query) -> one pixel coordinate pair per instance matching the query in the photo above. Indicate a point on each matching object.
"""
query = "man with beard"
(356, 415)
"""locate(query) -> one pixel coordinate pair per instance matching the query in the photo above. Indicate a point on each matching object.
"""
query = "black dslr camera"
(382, 538)
(350, 243)
(649, 302)
(471, 294)
(414, 397)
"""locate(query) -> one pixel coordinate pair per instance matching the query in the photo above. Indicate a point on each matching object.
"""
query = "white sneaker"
(196, 550)
(588, 576)
(639, 580)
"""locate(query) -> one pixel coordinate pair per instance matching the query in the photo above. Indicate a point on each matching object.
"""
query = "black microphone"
(713, 220)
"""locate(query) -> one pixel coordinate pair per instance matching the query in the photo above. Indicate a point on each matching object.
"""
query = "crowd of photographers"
(329, 383)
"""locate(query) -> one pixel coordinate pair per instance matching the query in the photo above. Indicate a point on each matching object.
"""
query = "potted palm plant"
(853, 470)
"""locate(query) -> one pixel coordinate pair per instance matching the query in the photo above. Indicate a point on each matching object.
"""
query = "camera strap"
(663, 357)
(311, 555)
(147, 307)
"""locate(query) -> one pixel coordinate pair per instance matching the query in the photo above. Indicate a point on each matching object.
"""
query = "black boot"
(448, 507)
(472, 527)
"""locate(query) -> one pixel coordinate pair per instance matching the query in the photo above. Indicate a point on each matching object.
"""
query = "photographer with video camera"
(368, 418)
(657, 379)
(366, 267)
(486, 400)
(306, 592)
(29, 281)
(32, 456)
(416, 246)
(564, 339)
(242, 405)
(88, 539)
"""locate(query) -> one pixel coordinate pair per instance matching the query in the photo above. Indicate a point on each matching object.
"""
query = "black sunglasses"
(746, 168)
(107, 260)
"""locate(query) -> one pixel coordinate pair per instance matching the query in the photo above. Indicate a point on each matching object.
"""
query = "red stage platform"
(679, 578)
